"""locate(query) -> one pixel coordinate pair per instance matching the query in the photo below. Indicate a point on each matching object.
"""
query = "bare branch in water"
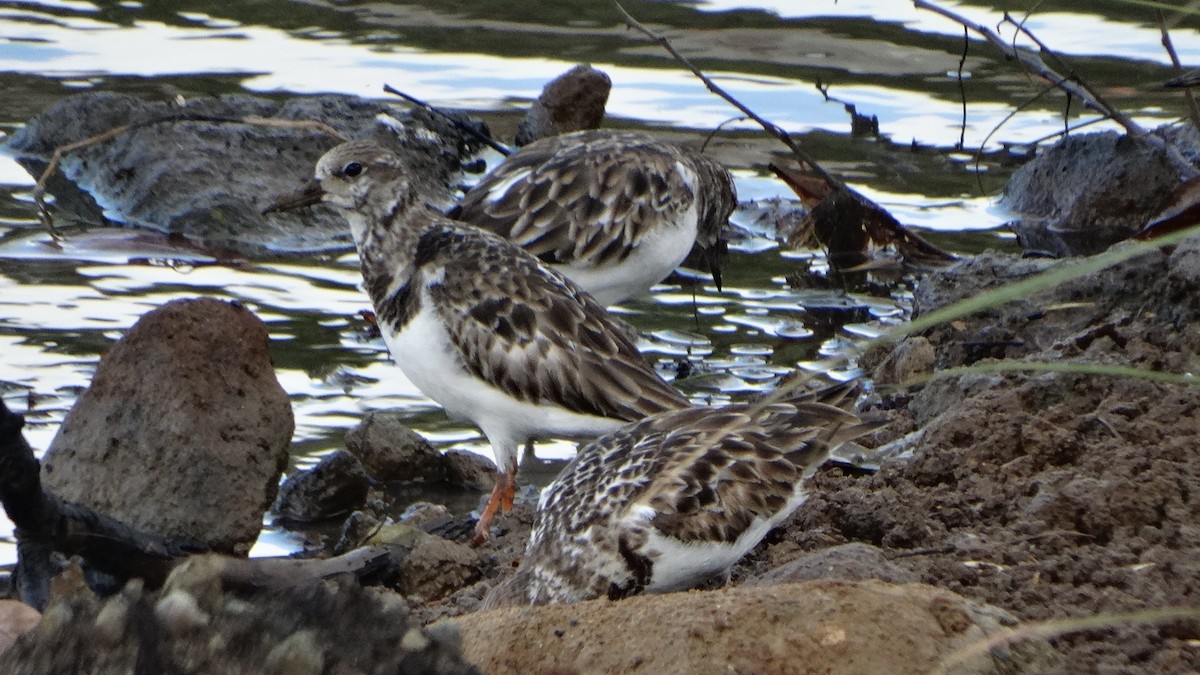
(465, 128)
(1074, 87)
(770, 127)
(1170, 47)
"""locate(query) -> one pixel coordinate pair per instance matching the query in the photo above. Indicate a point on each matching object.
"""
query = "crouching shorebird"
(671, 501)
(615, 211)
(479, 325)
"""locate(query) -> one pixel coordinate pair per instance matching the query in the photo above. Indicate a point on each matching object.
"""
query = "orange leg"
(483, 528)
(501, 499)
(509, 491)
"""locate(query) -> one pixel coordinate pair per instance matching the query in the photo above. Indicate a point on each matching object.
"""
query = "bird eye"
(352, 169)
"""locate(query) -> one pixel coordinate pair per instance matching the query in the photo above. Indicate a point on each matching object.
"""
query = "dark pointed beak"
(306, 196)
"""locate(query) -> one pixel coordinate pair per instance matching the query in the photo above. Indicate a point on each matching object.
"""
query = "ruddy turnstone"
(615, 211)
(479, 325)
(675, 499)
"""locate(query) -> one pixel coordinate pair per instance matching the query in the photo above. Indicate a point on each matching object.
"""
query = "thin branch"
(465, 128)
(1033, 62)
(1057, 627)
(717, 129)
(979, 155)
(1170, 47)
(1056, 134)
(771, 128)
(962, 90)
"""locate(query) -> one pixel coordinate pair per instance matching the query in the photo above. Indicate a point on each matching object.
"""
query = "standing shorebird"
(671, 501)
(615, 211)
(479, 325)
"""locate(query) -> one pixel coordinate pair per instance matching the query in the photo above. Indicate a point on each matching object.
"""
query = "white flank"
(424, 352)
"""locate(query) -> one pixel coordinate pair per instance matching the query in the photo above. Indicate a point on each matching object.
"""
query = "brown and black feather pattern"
(591, 197)
(700, 477)
(532, 333)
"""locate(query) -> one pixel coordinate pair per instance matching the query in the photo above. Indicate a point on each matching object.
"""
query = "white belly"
(680, 566)
(650, 262)
(424, 352)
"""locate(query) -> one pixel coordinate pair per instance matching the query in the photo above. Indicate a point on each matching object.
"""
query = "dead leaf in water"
(846, 223)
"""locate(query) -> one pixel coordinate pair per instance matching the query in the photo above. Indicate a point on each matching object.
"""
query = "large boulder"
(813, 627)
(205, 168)
(184, 430)
(1088, 192)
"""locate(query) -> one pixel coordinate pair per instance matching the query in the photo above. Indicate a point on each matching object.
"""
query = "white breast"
(424, 352)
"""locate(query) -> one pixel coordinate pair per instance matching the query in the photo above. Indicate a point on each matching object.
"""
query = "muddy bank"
(1047, 495)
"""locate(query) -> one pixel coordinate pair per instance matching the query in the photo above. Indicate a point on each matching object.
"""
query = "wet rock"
(972, 276)
(425, 514)
(913, 357)
(184, 430)
(573, 101)
(469, 469)
(1151, 290)
(355, 530)
(390, 451)
(817, 626)
(198, 169)
(848, 562)
(1088, 192)
(431, 567)
(338, 484)
(1184, 265)
(193, 626)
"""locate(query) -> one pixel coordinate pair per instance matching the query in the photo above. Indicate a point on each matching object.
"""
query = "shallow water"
(61, 309)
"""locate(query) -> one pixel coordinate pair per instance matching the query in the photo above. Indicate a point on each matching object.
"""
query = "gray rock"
(848, 562)
(338, 484)
(424, 514)
(430, 567)
(1184, 264)
(391, 451)
(972, 276)
(1088, 192)
(573, 101)
(914, 356)
(184, 430)
(469, 469)
(204, 170)
(355, 530)
(335, 626)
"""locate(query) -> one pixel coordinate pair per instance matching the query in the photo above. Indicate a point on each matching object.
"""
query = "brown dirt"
(813, 627)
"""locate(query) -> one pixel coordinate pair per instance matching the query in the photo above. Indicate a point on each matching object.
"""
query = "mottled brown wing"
(586, 198)
(739, 465)
(705, 473)
(532, 333)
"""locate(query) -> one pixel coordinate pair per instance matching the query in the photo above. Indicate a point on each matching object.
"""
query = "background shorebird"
(479, 325)
(615, 211)
(666, 503)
